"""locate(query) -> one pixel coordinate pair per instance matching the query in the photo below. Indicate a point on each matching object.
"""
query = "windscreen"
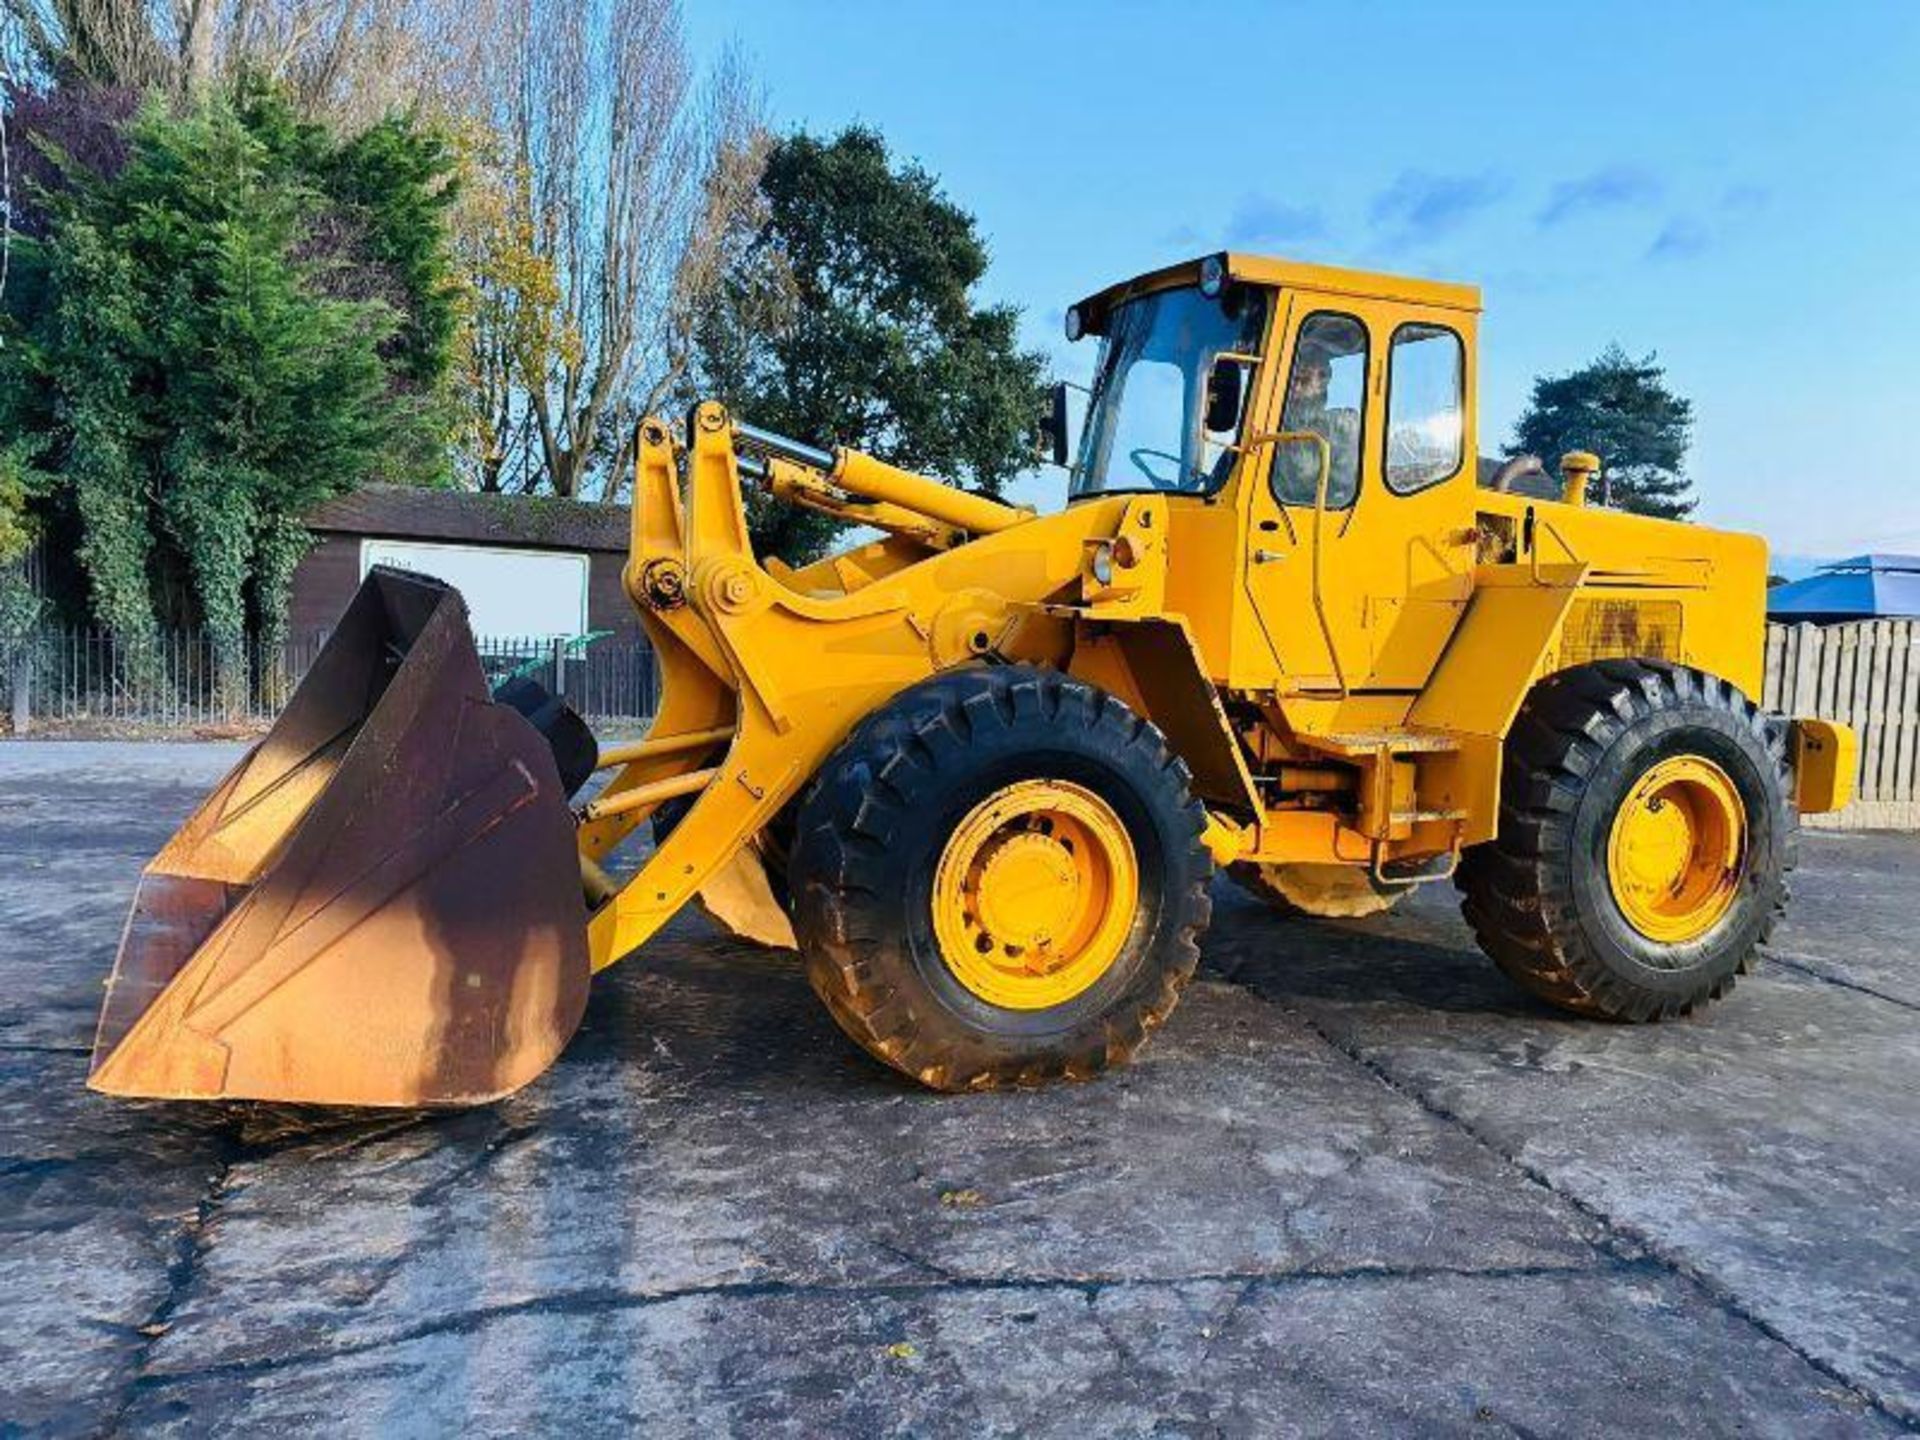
(1148, 425)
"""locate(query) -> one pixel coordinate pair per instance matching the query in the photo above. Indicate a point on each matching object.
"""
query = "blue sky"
(1734, 186)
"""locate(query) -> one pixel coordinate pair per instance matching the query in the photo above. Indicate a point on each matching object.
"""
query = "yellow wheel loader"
(979, 771)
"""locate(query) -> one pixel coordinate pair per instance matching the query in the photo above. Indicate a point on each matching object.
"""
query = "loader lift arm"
(737, 643)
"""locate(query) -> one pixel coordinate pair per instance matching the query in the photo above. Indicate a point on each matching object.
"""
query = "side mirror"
(1226, 389)
(1053, 425)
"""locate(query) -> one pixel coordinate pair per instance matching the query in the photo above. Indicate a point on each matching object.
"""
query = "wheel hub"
(1677, 849)
(1027, 888)
(1035, 894)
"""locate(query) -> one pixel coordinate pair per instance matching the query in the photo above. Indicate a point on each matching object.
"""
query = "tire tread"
(1515, 893)
(923, 731)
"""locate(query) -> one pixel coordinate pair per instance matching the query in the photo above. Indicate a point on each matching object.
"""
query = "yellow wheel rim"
(1035, 894)
(1678, 845)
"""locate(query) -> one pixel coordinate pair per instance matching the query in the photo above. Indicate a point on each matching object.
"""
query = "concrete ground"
(1357, 1185)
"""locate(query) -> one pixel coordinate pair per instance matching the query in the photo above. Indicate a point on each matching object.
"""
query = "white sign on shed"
(508, 592)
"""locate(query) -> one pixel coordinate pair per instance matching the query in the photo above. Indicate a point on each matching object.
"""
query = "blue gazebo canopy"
(1867, 587)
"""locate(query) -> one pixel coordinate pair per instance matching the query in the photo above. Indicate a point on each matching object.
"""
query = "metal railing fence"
(1867, 674)
(69, 678)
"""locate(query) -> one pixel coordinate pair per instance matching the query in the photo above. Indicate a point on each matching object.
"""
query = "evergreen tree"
(1620, 409)
(848, 318)
(200, 373)
(19, 606)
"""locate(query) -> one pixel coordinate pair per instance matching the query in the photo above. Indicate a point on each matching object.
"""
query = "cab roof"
(1270, 270)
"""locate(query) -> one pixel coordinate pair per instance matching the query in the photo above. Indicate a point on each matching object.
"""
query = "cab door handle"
(1267, 557)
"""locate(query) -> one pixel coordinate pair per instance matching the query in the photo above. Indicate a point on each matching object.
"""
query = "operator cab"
(1314, 428)
(1174, 384)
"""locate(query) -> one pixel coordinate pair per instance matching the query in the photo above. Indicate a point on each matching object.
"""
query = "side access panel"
(1483, 677)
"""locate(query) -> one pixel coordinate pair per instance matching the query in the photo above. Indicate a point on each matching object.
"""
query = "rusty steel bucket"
(380, 905)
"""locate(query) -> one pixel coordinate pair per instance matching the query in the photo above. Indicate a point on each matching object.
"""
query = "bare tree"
(348, 62)
(622, 173)
(352, 62)
(106, 42)
(605, 181)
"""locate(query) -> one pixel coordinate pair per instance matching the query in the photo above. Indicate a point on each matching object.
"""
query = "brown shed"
(527, 565)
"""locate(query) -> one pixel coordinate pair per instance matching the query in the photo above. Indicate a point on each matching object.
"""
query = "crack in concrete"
(183, 1270)
(600, 1300)
(1809, 966)
(504, 1139)
(1219, 1327)
(1619, 1234)
(232, 1149)
(919, 1262)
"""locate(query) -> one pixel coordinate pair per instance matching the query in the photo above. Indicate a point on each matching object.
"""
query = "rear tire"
(1550, 898)
(876, 842)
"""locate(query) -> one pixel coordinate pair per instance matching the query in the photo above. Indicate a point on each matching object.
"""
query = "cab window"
(1426, 383)
(1326, 394)
(1167, 396)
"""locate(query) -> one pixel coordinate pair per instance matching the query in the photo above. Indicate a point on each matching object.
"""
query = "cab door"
(1360, 592)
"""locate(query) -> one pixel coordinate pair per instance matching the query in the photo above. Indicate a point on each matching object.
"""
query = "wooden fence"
(1867, 674)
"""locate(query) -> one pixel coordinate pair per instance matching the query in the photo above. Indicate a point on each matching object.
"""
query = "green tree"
(1620, 409)
(202, 380)
(848, 317)
(19, 607)
(81, 354)
(382, 231)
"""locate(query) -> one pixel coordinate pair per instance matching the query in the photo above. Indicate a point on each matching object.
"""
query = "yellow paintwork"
(1707, 587)
(863, 475)
(1330, 891)
(792, 663)
(1034, 894)
(1675, 850)
(1577, 468)
(1273, 273)
(1339, 682)
(1826, 756)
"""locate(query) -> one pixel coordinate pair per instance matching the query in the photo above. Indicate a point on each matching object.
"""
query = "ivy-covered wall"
(213, 327)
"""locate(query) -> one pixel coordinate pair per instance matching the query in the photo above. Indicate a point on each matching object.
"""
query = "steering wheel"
(1141, 454)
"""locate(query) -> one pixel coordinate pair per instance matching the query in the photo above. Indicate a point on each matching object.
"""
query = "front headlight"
(1102, 563)
(1213, 276)
(1076, 324)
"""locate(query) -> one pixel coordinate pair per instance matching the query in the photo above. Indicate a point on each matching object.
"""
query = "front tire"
(1645, 837)
(998, 880)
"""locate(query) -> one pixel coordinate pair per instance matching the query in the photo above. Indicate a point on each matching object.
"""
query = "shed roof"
(538, 522)
(1864, 587)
